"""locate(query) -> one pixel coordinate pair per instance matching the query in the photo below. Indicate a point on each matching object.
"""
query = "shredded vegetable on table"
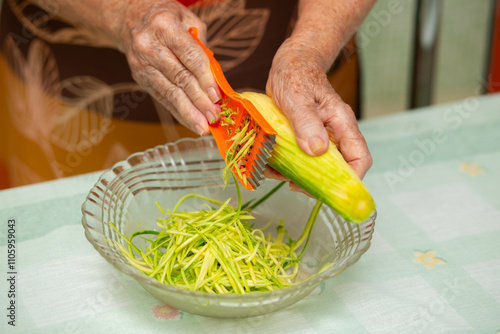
(215, 249)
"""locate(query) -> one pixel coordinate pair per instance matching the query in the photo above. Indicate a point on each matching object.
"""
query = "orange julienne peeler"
(250, 170)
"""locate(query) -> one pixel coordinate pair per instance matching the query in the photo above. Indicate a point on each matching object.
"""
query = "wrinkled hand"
(299, 86)
(166, 61)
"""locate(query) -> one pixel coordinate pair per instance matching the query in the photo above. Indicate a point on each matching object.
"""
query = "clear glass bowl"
(126, 195)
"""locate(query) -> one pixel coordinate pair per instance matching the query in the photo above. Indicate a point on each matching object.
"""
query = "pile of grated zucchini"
(216, 250)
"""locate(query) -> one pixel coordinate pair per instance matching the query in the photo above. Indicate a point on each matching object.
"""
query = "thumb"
(302, 112)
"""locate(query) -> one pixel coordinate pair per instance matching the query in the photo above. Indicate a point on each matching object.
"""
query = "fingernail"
(210, 117)
(217, 109)
(199, 129)
(316, 144)
(212, 94)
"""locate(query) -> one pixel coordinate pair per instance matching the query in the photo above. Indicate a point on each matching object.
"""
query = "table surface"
(433, 266)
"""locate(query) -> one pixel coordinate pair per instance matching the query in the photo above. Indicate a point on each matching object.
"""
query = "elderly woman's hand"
(167, 62)
(299, 87)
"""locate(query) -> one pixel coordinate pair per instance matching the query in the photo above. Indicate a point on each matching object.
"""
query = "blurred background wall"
(387, 52)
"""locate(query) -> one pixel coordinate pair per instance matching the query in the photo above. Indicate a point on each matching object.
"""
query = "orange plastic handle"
(226, 88)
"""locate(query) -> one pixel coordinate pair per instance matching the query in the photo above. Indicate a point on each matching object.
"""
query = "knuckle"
(171, 93)
(368, 161)
(162, 19)
(306, 123)
(193, 59)
(166, 26)
(331, 99)
(163, 101)
(183, 79)
(141, 41)
(200, 102)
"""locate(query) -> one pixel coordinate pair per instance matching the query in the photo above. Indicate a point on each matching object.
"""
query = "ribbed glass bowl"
(126, 195)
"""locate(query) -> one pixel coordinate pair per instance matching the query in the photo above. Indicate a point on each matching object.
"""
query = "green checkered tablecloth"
(433, 267)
